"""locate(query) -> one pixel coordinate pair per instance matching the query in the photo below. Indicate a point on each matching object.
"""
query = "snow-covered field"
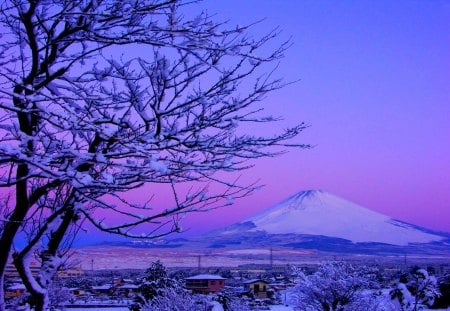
(272, 308)
(140, 258)
(281, 308)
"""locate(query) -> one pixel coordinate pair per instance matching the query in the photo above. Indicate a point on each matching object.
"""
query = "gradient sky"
(374, 86)
(375, 89)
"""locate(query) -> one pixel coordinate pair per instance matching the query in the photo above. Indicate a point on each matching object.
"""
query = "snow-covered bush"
(174, 299)
(417, 292)
(335, 286)
(156, 282)
(230, 301)
(444, 287)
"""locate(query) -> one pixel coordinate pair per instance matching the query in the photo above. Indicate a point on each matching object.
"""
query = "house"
(281, 286)
(258, 287)
(128, 290)
(205, 283)
(11, 271)
(14, 291)
(102, 289)
(76, 291)
(71, 273)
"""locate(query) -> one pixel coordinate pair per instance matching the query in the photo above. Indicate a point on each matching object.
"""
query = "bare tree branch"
(82, 119)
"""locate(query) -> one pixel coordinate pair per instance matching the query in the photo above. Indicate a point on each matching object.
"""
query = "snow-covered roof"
(16, 287)
(255, 281)
(101, 287)
(216, 306)
(129, 286)
(205, 277)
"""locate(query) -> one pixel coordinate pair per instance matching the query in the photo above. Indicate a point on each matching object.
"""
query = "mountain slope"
(319, 213)
(319, 221)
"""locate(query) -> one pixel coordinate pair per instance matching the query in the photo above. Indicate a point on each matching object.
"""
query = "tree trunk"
(12, 226)
(38, 287)
(36, 291)
(2, 293)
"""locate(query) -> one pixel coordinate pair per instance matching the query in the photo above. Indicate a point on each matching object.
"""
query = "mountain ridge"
(320, 221)
(317, 212)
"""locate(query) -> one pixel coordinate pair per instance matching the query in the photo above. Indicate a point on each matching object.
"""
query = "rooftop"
(255, 281)
(205, 277)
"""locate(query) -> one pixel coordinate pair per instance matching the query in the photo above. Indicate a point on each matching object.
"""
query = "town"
(246, 287)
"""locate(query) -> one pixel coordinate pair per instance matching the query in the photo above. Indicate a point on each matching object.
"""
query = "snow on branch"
(98, 98)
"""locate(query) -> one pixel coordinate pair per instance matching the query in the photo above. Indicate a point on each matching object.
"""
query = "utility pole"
(271, 258)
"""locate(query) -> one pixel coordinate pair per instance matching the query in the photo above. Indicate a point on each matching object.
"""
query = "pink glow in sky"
(373, 85)
(375, 88)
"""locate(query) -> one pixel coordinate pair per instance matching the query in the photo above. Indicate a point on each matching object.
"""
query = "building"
(258, 287)
(14, 291)
(260, 268)
(205, 283)
(76, 291)
(71, 273)
(129, 290)
(11, 271)
(102, 289)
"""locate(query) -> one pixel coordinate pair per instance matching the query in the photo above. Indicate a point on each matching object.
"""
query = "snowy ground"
(218, 307)
(281, 308)
(100, 309)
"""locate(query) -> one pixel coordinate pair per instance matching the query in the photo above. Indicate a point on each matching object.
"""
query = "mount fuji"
(316, 219)
(321, 213)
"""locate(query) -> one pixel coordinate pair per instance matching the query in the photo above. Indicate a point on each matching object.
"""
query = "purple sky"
(374, 86)
(375, 89)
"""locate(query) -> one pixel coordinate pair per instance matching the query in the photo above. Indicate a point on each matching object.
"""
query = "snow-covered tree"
(335, 286)
(419, 291)
(160, 292)
(230, 301)
(176, 300)
(156, 281)
(99, 97)
(443, 301)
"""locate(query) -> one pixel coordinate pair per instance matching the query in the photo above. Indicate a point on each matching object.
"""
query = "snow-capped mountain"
(320, 220)
(321, 213)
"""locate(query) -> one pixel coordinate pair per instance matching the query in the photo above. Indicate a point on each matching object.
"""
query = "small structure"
(11, 271)
(102, 289)
(15, 291)
(71, 273)
(258, 287)
(205, 283)
(76, 291)
(129, 290)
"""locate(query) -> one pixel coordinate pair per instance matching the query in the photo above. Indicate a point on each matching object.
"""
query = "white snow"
(101, 287)
(17, 287)
(281, 308)
(99, 308)
(321, 213)
(216, 306)
(206, 277)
